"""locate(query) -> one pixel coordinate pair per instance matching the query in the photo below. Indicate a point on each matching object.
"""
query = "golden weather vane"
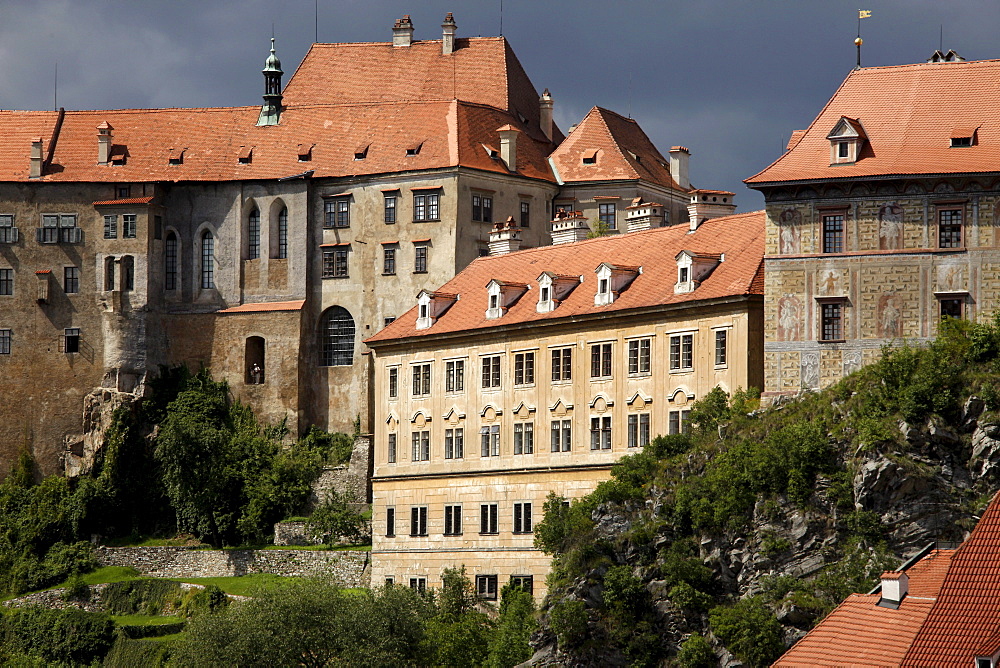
(862, 14)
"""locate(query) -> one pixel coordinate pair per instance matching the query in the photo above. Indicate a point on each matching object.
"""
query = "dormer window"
(502, 295)
(590, 157)
(304, 151)
(415, 149)
(963, 136)
(423, 311)
(246, 155)
(431, 306)
(361, 152)
(612, 280)
(176, 156)
(846, 141)
(553, 288)
(693, 268)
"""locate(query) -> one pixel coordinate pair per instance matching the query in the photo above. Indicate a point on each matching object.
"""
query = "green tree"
(749, 630)
(459, 634)
(335, 519)
(509, 645)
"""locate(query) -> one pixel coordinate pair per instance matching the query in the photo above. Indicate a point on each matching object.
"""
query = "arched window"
(253, 234)
(109, 273)
(336, 334)
(283, 234)
(254, 359)
(170, 262)
(207, 260)
(128, 273)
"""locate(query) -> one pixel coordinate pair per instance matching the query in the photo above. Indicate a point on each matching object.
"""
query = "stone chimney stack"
(505, 237)
(545, 105)
(448, 34)
(508, 146)
(35, 170)
(104, 143)
(569, 226)
(895, 585)
(402, 31)
(679, 157)
(707, 204)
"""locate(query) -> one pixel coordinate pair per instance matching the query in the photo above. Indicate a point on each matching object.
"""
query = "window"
(453, 520)
(831, 326)
(606, 214)
(207, 261)
(337, 337)
(525, 214)
(682, 274)
(638, 355)
(124, 192)
(426, 207)
(490, 441)
(843, 149)
(128, 273)
(420, 259)
(71, 340)
(600, 433)
(389, 209)
(488, 518)
(283, 234)
(421, 376)
(491, 372)
(6, 282)
(638, 430)
(253, 235)
(390, 522)
(524, 438)
(486, 587)
(950, 228)
(562, 435)
(129, 227)
(393, 383)
(157, 227)
(170, 262)
(338, 212)
(721, 341)
(418, 584)
(418, 521)
(950, 308)
(682, 352)
(335, 263)
(523, 582)
(833, 233)
(454, 443)
(679, 422)
(110, 227)
(391, 458)
(524, 369)
(71, 280)
(482, 208)
(454, 376)
(59, 228)
(421, 451)
(8, 233)
(603, 285)
(562, 364)
(109, 273)
(5, 336)
(522, 518)
(388, 260)
(600, 360)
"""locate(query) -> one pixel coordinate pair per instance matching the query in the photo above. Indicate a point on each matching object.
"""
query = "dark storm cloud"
(728, 79)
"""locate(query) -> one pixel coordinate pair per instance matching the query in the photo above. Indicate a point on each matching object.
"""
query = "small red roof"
(129, 200)
(263, 307)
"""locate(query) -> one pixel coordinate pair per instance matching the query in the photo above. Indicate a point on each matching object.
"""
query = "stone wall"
(348, 568)
(353, 481)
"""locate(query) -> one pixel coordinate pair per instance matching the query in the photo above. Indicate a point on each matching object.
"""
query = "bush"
(336, 520)
(622, 590)
(147, 596)
(72, 636)
(688, 598)
(509, 645)
(696, 653)
(749, 630)
(76, 589)
(568, 620)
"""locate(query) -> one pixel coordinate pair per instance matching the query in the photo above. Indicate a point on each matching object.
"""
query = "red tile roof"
(908, 113)
(614, 139)
(266, 306)
(740, 237)
(129, 200)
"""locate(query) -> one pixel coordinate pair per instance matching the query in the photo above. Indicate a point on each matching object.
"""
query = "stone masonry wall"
(353, 481)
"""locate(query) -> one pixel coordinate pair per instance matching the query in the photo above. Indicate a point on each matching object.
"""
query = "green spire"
(270, 112)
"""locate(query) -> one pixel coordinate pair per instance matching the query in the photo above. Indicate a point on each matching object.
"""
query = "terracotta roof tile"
(740, 237)
(128, 200)
(264, 307)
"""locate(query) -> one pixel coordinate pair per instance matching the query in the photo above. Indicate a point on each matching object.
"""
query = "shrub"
(72, 636)
(336, 520)
(76, 589)
(568, 620)
(749, 630)
(143, 597)
(696, 653)
(688, 598)
(509, 644)
(622, 590)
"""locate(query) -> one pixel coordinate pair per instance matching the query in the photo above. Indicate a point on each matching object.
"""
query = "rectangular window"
(426, 207)
(418, 584)
(562, 364)
(562, 435)
(337, 212)
(393, 383)
(482, 208)
(170, 262)
(335, 263)
(638, 430)
(421, 442)
(71, 280)
(71, 340)
(486, 587)
(8, 233)
(388, 260)
(453, 520)
(490, 441)
(6, 282)
(391, 454)
(522, 518)
(390, 209)
(679, 422)
(454, 376)
(421, 379)
(524, 582)
(491, 372)
(681, 352)
(110, 227)
(524, 438)
(525, 214)
(950, 308)
(488, 518)
(420, 259)
(950, 228)
(833, 233)
(524, 368)
(600, 433)
(418, 521)
(639, 355)
(454, 443)
(129, 227)
(607, 216)
(390, 522)
(5, 336)
(600, 360)
(831, 326)
(721, 345)
(843, 149)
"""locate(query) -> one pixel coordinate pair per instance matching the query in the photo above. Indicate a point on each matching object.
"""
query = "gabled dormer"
(552, 289)
(846, 140)
(693, 268)
(612, 279)
(431, 306)
(501, 296)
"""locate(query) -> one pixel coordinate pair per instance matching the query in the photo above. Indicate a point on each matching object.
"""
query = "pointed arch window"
(207, 261)
(253, 234)
(170, 262)
(336, 337)
(283, 233)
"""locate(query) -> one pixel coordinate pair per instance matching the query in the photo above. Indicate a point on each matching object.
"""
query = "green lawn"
(241, 585)
(145, 620)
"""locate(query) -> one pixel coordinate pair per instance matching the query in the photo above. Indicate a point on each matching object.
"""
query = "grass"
(148, 541)
(145, 620)
(167, 638)
(335, 548)
(243, 585)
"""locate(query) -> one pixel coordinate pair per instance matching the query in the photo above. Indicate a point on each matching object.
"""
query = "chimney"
(508, 146)
(104, 143)
(545, 113)
(569, 226)
(448, 34)
(707, 204)
(35, 170)
(895, 585)
(679, 157)
(402, 31)
(505, 237)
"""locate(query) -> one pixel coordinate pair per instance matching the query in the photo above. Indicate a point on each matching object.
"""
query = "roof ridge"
(416, 42)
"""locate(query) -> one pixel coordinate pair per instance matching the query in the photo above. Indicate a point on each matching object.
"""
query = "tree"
(749, 630)
(509, 645)
(459, 634)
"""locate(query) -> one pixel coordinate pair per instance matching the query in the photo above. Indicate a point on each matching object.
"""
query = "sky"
(729, 79)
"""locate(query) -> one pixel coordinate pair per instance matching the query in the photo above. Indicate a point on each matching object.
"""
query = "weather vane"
(862, 14)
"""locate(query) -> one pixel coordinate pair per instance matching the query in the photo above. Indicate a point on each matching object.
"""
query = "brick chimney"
(448, 34)
(402, 31)
(895, 585)
(679, 157)
(569, 226)
(505, 237)
(104, 143)
(35, 169)
(508, 146)
(707, 204)
(545, 105)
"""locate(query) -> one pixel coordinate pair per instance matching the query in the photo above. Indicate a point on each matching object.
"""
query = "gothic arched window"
(170, 262)
(253, 234)
(207, 261)
(336, 337)
(283, 234)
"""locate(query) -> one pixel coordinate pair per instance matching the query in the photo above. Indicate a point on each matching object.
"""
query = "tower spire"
(270, 112)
